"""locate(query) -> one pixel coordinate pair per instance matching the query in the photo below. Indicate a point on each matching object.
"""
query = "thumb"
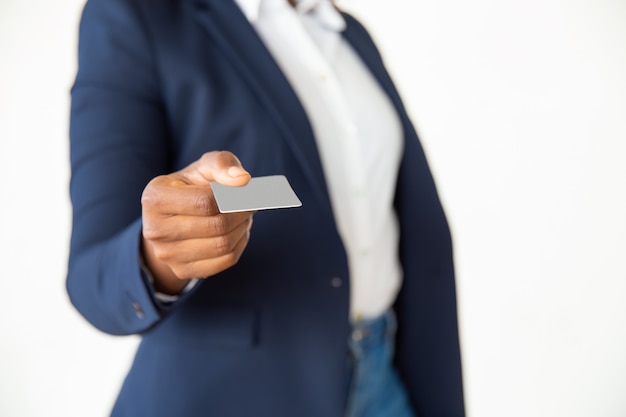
(219, 166)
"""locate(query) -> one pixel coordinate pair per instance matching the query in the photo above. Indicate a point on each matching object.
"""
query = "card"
(261, 193)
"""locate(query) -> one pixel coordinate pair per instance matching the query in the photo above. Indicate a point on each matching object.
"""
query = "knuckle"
(230, 259)
(185, 270)
(152, 231)
(149, 233)
(161, 253)
(210, 159)
(222, 245)
(203, 204)
(218, 225)
(207, 156)
(150, 197)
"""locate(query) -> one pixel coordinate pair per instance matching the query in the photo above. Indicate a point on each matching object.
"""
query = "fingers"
(176, 228)
(188, 191)
(168, 195)
(198, 268)
(189, 251)
(219, 166)
(184, 235)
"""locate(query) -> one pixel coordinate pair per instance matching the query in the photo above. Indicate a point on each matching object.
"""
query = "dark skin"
(184, 235)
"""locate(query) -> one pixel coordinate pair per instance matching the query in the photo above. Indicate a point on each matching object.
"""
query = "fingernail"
(237, 172)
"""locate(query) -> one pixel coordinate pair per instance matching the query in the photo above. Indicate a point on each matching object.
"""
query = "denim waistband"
(369, 332)
(373, 385)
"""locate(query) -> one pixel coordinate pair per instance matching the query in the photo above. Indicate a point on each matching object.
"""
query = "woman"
(345, 306)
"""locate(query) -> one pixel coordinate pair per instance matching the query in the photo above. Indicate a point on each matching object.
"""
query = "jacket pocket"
(214, 327)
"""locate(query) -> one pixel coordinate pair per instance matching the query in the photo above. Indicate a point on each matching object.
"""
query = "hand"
(184, 234)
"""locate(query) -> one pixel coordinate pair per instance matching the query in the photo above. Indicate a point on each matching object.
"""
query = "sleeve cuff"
(165, 299)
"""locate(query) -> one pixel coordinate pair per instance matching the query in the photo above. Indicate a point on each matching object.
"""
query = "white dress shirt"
(358, 134)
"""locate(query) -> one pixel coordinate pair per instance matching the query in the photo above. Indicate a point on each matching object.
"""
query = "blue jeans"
(374, 388)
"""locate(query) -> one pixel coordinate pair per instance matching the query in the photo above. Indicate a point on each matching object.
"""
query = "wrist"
(161, 277)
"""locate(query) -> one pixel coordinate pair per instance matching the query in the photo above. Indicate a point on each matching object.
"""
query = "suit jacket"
(159, 83)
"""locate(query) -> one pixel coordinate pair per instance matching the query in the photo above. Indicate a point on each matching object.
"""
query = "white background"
(521, 107)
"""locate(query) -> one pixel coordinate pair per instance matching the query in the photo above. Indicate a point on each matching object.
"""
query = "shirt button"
(138, 310)
(323, 77)
(336, 282)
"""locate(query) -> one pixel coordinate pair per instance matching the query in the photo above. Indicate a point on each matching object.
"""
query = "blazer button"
(336, 282)
(138, 310)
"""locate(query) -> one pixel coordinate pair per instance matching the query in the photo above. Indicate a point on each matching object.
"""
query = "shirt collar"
(322, 11)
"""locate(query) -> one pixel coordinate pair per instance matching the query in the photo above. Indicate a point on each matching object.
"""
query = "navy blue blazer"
(159, 83)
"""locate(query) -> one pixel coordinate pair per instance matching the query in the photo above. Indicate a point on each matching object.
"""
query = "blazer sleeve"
(118, 142)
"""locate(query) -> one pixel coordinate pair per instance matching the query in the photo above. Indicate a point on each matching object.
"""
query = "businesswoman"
(343, 307)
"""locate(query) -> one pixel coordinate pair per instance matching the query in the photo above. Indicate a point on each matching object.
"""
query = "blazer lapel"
(360, 40)
(230, 29)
